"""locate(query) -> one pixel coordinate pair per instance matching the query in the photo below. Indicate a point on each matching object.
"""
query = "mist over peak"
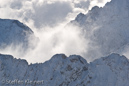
(62, 48)
(94, 33)
(14, 32)
(106, 28)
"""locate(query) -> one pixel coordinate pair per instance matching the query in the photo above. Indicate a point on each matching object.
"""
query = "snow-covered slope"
(13, 32)
(107, 28)
(60, 70)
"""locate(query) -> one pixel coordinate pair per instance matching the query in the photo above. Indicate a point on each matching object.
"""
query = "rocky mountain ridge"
(61, 70)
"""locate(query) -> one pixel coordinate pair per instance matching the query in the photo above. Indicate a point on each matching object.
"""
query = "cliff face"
(60, 70)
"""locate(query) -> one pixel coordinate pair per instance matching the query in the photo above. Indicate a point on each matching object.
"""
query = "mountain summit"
(13, 32)
(107, 28)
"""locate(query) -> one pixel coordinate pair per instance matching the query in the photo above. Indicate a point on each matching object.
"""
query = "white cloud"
(50, 14)
(44, 12)
(59, 39)
(47, 18)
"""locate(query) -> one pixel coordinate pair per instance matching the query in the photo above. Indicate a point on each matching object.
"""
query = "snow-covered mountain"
(60, 70)
(107, 28)
(13, 32)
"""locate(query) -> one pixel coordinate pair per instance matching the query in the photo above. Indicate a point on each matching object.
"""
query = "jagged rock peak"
(79, 16)
(7, 59)
(75, 58)
(72, 58)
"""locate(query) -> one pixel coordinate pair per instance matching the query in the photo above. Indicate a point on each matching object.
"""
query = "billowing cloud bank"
(47, 18)
(45, 12)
